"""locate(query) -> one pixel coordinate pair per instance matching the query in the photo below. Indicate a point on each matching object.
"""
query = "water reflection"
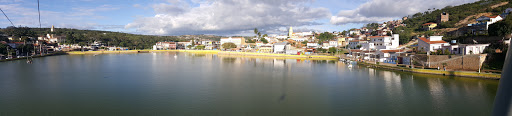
(158, 82)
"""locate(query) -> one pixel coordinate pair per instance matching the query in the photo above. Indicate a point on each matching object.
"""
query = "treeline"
(84, 37)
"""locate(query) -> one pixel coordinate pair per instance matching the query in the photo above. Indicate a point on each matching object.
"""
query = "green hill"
(457, 14)
(76, 36)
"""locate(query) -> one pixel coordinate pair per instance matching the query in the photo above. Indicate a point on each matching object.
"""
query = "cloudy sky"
(218, 17)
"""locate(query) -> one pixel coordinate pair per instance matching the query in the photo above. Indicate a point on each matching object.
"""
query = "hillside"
(459, 16)
(75, 36)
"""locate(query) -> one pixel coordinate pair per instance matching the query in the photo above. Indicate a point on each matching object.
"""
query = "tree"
(25, 48)
(344, 33)
(501, 28)
(200, 47)
(256, 31)
(250, 41)
(3, 48)
(228, 45)
(265, 41)
(3, 38)
(82, 44)
(19, 31)
(326, 36)
(190, 46)
(332, 50)
(321, 50)
(374, 33)
(372, 25)
(305, 42)
(446, 52)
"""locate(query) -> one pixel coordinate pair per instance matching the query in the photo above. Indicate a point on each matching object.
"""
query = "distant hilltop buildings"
(51, 38)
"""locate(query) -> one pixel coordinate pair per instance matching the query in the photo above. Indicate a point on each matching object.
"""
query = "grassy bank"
(225, 53)
(276, 55)
(437, 72)
(37, 56)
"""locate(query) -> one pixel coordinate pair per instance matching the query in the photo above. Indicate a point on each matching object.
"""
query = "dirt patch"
(444, 30)
(471, 19)
(498, 5)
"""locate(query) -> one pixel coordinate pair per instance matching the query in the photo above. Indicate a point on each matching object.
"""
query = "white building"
(466, 49)
(385, 42)
(325, 45)
(238, 41)
(431, 44)
(354, 43)
(312, 45)
(164, 46)
(281, 37)
(299, 39)
(388, 56)
(51, 38)
(355, 32)
(486, 21)
(333, 43)
(280, 47)
(367, 46)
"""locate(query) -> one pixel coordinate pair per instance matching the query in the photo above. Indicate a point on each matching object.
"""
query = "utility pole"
(8, 52)
(463, 53)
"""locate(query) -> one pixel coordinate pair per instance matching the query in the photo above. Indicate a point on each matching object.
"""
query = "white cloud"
(77, 18)
(227, 16)
(136, 5)
(385, 10)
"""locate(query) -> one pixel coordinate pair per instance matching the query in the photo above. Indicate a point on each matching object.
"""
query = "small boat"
(29, 61)
(350, 66)
(175, 56)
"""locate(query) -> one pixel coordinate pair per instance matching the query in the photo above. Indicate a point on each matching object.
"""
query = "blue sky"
(218, 17)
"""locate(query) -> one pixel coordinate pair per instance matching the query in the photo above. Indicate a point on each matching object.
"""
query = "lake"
(209, 84)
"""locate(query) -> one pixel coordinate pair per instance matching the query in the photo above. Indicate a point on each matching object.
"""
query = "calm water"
(206, 84)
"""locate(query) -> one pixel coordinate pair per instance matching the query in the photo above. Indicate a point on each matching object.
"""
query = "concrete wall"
(457, 62)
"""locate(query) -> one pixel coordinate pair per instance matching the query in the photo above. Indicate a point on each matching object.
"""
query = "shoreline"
(435, 72)
(223, 53)
(36, 56)
(284, 56)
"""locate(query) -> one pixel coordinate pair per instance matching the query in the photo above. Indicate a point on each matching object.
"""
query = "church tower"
(53, 28)
(290, 33)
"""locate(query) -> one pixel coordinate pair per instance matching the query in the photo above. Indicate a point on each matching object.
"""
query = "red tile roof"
(388, 51)
(428, 24)
(492, 16)
(431, 42)
(378, 36)
(357, 40)
(357, 50)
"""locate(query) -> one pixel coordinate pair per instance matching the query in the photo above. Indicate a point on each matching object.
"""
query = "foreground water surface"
(208, 84)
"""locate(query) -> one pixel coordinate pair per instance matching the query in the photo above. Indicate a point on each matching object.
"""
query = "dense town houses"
(376, 43)
(165, 46)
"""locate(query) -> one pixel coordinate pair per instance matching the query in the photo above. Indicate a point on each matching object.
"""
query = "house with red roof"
(431, 43)
(429, 26)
